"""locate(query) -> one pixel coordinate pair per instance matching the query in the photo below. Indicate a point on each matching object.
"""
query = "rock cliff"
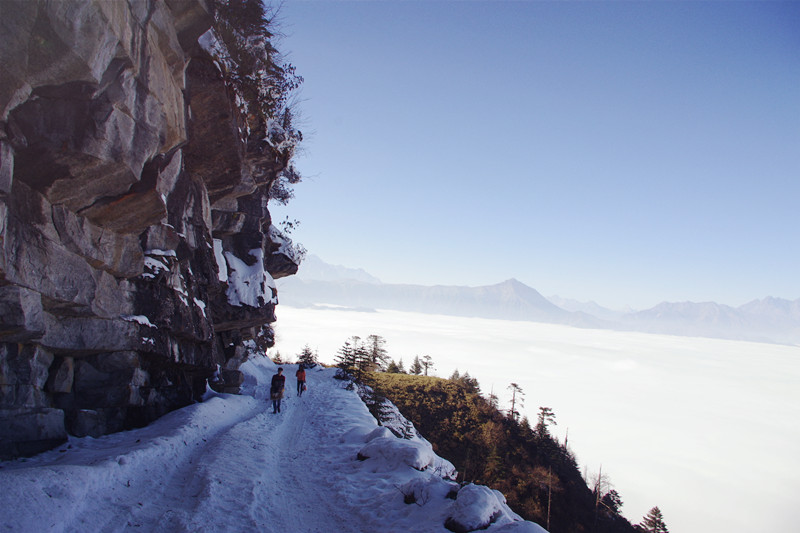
(137, 253)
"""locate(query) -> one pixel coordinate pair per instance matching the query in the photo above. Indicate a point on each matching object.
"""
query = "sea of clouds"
(707, 429)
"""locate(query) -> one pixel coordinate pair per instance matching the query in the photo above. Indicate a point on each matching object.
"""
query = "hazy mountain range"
(768, 320)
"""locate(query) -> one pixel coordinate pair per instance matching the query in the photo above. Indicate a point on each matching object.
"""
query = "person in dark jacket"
(276, 390)
(301, 380)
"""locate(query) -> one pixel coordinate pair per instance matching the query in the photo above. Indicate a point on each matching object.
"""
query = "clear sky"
(622, 152)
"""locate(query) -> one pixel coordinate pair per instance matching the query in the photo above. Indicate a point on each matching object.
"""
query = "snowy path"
(274, 463)
(229, 464)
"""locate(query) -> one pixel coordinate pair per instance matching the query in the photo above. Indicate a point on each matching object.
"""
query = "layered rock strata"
(137, 254)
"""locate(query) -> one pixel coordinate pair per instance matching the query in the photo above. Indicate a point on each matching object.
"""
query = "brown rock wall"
(122, 166)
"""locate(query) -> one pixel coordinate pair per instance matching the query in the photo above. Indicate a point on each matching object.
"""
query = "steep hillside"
(537, 474)
(136, 248)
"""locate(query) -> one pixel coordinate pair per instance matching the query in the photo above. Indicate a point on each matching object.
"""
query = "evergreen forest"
(538, 475)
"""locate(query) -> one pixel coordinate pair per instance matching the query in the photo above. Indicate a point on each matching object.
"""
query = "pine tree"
(470, 383)
(363, 360)
(654, 522)
(495, 466)
(378, 355)
(427, 363)
(546, 417)
(516, 398)
(466, 381)
(346, 358)
(307, 357)
(612, 502)
(416, 366)
(492, 400)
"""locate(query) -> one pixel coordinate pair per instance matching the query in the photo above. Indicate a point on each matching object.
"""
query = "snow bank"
(468, 508)
(388, 453)
(396, 449)
(423, 490)
(229, 464)
(75, 483)
(477, 507)
(258, 371)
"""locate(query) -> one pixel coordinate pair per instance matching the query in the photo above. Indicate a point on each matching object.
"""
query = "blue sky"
(622, 152)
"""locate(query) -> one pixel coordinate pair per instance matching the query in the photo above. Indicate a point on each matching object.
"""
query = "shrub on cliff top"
(262, 82)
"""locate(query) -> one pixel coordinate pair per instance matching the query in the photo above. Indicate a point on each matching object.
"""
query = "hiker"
(276, 390)
(301, 380)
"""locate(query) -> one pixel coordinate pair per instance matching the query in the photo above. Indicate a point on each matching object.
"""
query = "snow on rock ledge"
(250, 284)
(222, 269)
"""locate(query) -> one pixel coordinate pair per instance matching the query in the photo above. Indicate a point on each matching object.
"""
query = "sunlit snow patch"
(248, 284)
(139, 319)
(222, 265)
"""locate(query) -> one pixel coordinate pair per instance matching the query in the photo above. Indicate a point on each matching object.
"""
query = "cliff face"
(136, 248)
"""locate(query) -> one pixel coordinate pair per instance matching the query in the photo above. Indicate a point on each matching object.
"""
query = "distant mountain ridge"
(766, 320)
(590, 308)
(510, 300)
(770, 319)
(315, 268)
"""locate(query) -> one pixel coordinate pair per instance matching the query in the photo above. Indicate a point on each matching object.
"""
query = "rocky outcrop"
(137, 254)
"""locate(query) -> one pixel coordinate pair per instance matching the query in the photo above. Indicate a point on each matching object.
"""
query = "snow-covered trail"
(227, 464)
(230, 464)
(275, 463)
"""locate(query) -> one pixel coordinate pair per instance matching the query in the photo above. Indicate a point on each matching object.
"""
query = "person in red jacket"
(301, 380)
(276, 390)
